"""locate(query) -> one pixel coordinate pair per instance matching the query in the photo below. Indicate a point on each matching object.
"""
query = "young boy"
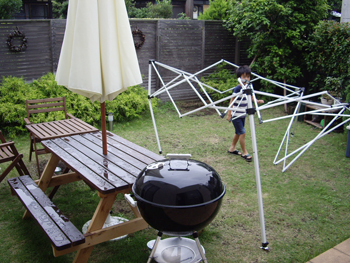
(241, 106)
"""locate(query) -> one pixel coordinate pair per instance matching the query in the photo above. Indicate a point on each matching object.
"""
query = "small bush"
(221, 79)
(14, 92)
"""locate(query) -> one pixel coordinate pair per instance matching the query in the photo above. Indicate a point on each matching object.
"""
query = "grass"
(306, 207)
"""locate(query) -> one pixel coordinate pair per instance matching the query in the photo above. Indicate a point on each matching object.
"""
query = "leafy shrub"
(328, 58)
(14, 92)
(161, 9)
(182, 16)
(221, 79)
(130, 104)
(217, 10)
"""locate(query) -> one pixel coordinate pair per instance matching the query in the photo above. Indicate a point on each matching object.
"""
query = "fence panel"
(180, 46)
(36, 60)
(189, 45)
(58, 27)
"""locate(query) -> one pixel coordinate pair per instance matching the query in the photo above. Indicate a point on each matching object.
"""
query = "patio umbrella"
(98, 58)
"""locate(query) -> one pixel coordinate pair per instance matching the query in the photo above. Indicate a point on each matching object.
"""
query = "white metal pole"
(257, 171)
(150, 104)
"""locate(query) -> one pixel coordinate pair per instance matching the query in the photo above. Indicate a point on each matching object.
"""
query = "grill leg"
(195, 235)
(155, 247)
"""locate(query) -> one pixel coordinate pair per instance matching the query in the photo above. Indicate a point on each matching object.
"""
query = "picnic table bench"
(62, 233)
(109, 174)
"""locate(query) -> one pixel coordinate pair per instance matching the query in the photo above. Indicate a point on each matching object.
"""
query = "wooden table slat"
(112, 155)
(61, 128)
(58, 127)
(51, 129)
(70, 127)
(103, 165)
(120, 152)
(143, 154)
(135, 147)
(79, 163)
(37, 131)
(82, 125)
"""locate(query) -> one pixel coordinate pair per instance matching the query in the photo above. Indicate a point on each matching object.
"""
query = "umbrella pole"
(104, 128)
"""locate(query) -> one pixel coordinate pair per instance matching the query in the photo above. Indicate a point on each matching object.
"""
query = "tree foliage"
(9, 7)
(59, 9)
(161, 9)
(328, 50)
(335, 5)
(278, 30)
(217, 10)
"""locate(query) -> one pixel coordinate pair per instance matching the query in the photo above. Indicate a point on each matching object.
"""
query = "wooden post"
(345, 11)
(104, 128)
(189, 8)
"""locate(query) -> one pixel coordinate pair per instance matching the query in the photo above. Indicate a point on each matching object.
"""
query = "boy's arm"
(258, 101)
(229, 111)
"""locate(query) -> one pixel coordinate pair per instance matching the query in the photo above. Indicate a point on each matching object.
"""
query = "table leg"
(97, 223)
(36, 155)
(48, 172)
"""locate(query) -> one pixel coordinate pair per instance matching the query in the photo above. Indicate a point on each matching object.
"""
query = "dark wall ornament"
(139, 36)
(17, 35)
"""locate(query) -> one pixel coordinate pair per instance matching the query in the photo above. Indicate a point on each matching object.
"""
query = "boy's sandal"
(236, 152)
(247, 157)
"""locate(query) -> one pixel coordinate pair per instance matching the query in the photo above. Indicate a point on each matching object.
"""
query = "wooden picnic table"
(109, 174)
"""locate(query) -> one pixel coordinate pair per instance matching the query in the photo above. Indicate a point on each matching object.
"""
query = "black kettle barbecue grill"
(178, 196)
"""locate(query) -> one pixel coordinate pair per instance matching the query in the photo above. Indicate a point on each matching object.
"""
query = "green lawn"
(307, 208)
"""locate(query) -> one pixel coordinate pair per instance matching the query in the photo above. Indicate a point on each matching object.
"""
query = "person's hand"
(260, 101)
(228, 117)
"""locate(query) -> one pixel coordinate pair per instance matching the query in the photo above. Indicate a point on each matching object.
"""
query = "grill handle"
(178, 156)
(178, 160)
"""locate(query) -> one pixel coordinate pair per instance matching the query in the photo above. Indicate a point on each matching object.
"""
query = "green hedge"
(328, 58)
(15, 91)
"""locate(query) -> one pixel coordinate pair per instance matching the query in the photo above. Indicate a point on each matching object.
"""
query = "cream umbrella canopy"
(98, 58)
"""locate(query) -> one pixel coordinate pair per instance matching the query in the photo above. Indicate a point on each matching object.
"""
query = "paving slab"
(339, 254)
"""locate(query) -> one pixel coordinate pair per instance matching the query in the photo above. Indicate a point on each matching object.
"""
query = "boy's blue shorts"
(239, 125)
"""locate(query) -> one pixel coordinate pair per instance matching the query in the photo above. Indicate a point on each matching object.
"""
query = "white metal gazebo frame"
(293, 94)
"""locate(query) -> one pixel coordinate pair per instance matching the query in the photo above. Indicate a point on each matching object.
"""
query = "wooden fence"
(189, 45)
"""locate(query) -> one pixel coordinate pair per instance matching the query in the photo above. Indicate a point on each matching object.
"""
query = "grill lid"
(178, 182)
